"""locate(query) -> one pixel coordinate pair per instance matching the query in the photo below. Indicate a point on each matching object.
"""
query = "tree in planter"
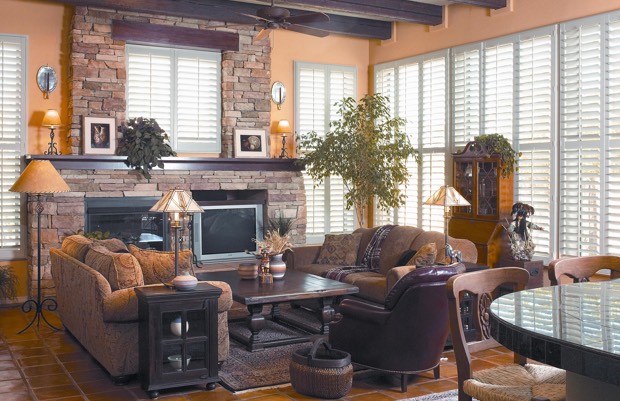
(368, 148)
(144, 143)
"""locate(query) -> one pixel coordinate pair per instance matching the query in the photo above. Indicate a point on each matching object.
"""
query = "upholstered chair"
(405, 335)
(581, 268)
(513, 382)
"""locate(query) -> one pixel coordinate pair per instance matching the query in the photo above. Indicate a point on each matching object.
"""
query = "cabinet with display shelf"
(178, 337)
(477, 176)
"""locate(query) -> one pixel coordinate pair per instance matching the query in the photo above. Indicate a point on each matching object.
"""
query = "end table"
(178, 337)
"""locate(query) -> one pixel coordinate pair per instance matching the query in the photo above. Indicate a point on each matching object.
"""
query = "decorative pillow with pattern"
(158, 267)
(112, 244)
(76, 246)
(339, 249)
(425, 256)
(122, 270)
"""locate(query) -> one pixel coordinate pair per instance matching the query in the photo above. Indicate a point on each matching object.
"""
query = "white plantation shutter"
(420, 93)
(12, 141)
(581, 138)
(181, 90)
(535, 131)
(319, 87)
(465, 94)
(498, 90)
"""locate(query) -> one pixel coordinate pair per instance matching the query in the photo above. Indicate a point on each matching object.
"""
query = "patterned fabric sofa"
(400, 244)
(97, 303)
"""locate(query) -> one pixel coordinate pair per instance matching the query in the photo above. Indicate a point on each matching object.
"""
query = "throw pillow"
(112, 245)
(405, 257)
(122, 270)
(425, 256)
(339, 249)
(158, 267)
(76, 246)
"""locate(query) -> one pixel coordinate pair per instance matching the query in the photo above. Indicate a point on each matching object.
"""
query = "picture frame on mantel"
(99, 135)
(250, 142)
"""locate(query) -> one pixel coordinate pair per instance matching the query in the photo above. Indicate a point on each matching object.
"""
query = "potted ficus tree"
(144, 143)
(368, 148)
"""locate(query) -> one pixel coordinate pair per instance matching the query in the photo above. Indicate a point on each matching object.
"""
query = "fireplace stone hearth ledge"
(107, 176)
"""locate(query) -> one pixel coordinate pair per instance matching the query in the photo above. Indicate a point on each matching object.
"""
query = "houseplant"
(368, 148)
(497, 144)
(144, 143)
(8, 283)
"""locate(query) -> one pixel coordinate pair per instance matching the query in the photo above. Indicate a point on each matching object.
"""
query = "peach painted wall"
(469, 24)
(288, 47)
(45, 24)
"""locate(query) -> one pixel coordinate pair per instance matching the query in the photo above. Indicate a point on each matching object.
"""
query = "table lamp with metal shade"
(447, 197)
(176, 203)
(39, 178)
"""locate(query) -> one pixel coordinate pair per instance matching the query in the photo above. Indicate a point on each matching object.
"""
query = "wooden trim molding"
(73, 162)
(141, 32)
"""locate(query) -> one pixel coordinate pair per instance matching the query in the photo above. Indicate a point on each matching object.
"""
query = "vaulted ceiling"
(369, 19)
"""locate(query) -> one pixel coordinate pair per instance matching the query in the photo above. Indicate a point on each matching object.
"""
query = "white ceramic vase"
(175, 326)
(277, 267)
(185, 282)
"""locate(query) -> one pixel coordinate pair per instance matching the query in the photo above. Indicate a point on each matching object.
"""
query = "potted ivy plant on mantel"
(144, 143)
(368, 148)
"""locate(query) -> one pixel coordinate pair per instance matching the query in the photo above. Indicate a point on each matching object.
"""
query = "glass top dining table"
(575, 327)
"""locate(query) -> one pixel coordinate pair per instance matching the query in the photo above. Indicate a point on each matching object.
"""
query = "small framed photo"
(251, 143)
(99, 135)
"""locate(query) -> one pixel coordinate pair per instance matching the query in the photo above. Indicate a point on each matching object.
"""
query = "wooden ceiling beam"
(494, 4)
(232, 11)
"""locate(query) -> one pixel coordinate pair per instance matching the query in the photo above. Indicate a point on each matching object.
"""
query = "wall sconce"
(52, 120)
(283, 128)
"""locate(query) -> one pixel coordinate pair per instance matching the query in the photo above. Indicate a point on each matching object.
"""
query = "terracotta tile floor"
(42, 364)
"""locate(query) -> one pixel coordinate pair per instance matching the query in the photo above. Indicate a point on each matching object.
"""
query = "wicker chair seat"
(517, 383)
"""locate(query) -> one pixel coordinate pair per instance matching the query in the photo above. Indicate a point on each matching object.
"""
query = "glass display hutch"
(478, 177)
(178, 337)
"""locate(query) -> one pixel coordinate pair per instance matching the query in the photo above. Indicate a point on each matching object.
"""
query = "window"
(181, 90)
(418, 90)
(13, 135)
(318, 88)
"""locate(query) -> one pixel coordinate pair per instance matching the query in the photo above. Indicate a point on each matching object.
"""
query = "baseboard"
(11, 302)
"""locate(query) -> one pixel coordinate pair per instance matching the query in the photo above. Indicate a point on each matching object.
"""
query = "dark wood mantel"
(78, 162)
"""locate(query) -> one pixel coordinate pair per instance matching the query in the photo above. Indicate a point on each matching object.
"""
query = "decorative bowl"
(176, 361)
(248, 270)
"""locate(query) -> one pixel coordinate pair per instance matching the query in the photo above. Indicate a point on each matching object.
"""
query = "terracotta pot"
(277, 267)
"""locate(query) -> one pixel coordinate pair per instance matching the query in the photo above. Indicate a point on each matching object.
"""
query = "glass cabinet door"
(463, 183)
(184, 341)
(487, 188)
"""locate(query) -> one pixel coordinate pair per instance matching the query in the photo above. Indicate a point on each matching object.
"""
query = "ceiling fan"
(274, 17)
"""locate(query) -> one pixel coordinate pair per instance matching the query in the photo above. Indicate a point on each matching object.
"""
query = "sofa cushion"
(405, 257)
(158, 267)
(317, 269)
(372, 286)
(76, 246)
(339, 249)
(112, 245)
(122, 270)
(121, 306)
(425, 256)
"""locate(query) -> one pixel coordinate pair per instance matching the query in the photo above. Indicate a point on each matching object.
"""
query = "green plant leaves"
(144, 143)
(497, 144)
(368, 148)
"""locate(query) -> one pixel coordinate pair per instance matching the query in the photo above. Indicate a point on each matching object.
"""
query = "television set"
(223, 233)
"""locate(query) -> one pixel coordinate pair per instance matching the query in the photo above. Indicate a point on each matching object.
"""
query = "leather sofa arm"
(395, 274)
(301, 255)
(364, 311)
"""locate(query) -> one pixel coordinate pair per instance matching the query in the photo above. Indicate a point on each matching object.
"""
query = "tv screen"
(226, 232)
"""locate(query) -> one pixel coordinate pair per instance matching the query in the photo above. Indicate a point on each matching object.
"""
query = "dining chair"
(517, 381)
(581, 268)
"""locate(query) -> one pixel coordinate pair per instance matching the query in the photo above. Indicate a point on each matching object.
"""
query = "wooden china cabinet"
(478, 177)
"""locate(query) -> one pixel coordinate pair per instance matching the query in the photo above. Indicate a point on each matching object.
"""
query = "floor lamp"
(177, 202)
(39, 178)
(447, 197)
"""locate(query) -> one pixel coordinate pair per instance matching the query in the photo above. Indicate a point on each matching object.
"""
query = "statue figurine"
(520, 232)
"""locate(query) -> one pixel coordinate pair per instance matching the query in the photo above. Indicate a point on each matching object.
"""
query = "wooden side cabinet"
(178, 337)
(478, 177)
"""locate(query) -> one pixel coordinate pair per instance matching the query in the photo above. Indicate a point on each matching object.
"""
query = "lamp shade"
(284, 127)
(447, 196)
(176, 201)
(40, 177)
(51, 119)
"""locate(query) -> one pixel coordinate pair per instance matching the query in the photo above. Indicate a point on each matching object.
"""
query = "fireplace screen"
(129, 220)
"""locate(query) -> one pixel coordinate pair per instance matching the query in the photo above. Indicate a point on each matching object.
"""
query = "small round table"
(575, 327)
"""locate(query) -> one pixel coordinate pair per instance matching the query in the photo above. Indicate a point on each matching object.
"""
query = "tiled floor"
(41, 364)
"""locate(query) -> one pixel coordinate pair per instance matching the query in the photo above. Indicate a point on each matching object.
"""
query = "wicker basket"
(321, 372)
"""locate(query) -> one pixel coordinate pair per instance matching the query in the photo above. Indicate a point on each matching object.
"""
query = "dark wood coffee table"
(295, 286)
